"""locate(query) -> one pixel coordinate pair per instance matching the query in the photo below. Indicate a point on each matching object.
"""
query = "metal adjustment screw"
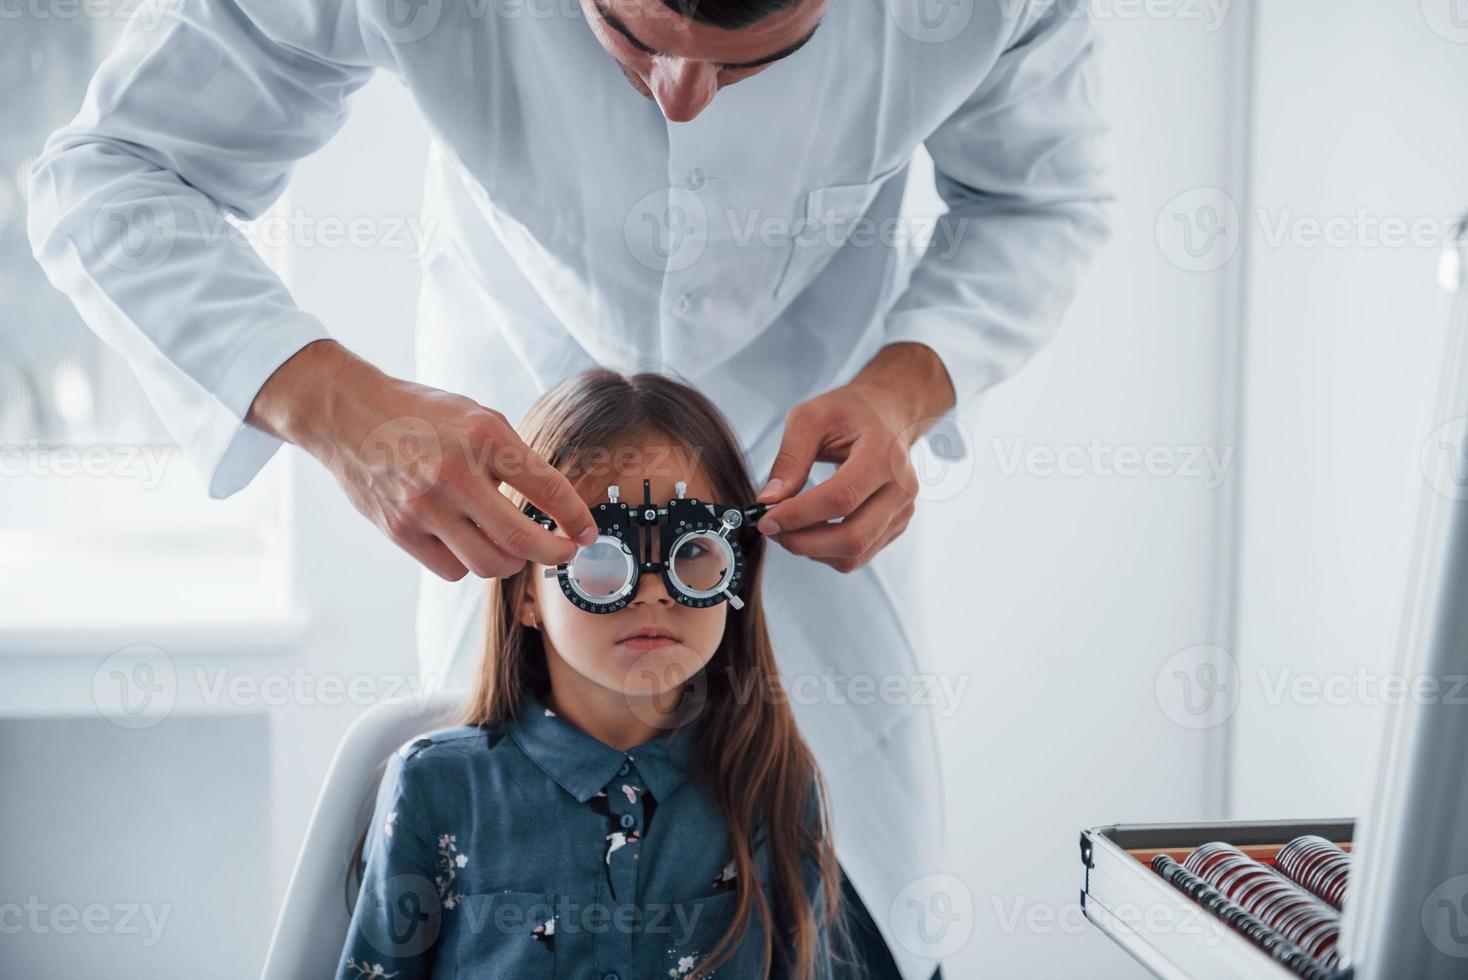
(613, 492)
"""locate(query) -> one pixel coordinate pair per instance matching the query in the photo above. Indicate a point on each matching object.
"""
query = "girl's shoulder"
(461, 742)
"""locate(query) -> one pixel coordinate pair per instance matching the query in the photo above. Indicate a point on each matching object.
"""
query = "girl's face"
(594, 653)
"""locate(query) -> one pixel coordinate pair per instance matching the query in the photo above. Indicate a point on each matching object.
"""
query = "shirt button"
(627, 820)
(696, 178)
(610, 976)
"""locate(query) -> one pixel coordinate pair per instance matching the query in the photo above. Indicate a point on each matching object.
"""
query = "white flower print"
(725, 878)
(449, 859)
(685, 964)
(365, 970)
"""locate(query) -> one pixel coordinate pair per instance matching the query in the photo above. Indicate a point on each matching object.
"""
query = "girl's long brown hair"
(749, 753)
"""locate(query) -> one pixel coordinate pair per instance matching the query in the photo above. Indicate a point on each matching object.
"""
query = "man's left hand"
(867, 426)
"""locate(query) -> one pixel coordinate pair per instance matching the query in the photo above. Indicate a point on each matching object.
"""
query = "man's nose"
(683, 88)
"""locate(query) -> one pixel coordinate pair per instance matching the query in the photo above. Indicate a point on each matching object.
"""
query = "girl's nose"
(683, 88)
(652, 589)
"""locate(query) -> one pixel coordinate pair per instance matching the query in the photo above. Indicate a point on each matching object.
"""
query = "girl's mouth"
(644, 643)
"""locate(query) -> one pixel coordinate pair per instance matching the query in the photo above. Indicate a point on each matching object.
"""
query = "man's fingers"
(799, 446)
(475, 551)
(433, 555)
(862, 474)
(511, 531)
(864, 530)
(894, 529)
(547, 488)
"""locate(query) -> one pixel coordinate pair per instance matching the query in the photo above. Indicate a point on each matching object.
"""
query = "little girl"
(627, 797)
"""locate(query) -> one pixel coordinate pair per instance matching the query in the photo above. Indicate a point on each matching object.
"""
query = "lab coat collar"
(583, 765)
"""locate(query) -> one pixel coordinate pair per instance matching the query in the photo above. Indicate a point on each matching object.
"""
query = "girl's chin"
(659, 671)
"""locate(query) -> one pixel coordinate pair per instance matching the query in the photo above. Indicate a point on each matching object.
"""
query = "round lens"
(702, 561)
(601, 570)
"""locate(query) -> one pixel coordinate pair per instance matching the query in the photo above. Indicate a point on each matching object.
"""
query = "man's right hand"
(424, 465)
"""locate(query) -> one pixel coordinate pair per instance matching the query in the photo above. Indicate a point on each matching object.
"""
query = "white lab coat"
(755, 252)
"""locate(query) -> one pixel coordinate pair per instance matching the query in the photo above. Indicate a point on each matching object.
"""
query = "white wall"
(1358, 122)
(1064, 596)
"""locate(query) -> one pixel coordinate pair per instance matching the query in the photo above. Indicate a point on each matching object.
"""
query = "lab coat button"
(687, 302)
(696, 178)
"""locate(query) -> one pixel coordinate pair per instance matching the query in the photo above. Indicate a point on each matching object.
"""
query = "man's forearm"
(912, 380)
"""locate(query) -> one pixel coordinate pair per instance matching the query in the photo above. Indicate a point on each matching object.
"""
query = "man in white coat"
(709, 188)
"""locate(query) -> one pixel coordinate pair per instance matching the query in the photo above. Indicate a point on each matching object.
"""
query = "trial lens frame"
(621, 538)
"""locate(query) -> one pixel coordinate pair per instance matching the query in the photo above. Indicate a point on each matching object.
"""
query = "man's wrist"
(297, 402)
(911, 379)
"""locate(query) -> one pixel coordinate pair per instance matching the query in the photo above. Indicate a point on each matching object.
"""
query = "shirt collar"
(583, 765)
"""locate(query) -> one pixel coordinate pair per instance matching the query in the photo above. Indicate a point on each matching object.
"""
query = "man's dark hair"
(730, 15)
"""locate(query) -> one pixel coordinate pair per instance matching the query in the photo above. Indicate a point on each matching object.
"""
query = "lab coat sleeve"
(398, 917)
(1018, 164)
(198, 113)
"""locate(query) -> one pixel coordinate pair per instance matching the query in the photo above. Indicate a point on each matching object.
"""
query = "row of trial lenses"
(1292, 957)
(1272, 898)
(1318, 866)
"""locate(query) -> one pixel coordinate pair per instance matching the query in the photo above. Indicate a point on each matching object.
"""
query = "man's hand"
(867, 426)
(422, 464)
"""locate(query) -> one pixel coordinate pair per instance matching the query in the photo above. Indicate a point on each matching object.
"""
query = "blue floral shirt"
(539, 852)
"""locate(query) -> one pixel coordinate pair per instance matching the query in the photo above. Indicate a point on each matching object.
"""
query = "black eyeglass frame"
(622, 526)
